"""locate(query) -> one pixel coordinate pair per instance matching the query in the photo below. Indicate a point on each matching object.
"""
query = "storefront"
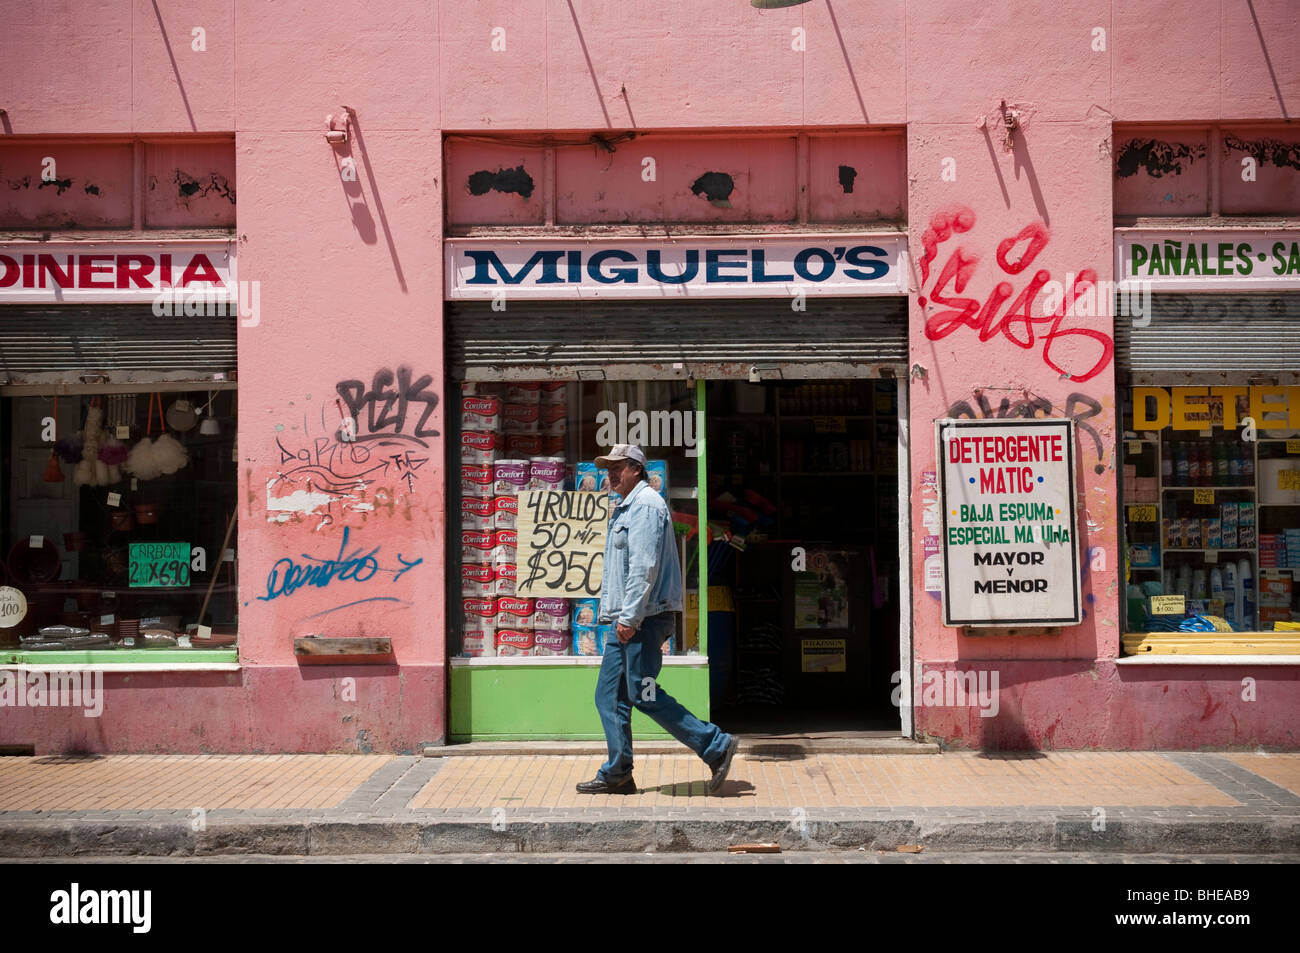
(1210, 397)
(117, 454)
(765, 377)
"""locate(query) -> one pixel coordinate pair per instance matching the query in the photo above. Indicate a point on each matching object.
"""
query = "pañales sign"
(638, 268)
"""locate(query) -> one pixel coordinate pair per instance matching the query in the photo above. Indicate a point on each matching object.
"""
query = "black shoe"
(598, 786)
(720, 772)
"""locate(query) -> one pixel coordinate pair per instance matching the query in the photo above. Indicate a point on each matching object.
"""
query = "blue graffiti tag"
(287, 577)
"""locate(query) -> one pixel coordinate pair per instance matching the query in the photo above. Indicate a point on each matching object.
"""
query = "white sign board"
(120, 272)
(1209, 259)
(733, 267)
(1010, 538)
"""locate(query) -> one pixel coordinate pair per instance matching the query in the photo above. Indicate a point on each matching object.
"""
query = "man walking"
(640, 594)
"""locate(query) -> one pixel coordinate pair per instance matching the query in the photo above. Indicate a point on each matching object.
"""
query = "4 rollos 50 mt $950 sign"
(561, 543)
(1010, 534)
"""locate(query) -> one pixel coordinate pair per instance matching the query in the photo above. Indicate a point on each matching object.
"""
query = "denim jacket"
(643, 574)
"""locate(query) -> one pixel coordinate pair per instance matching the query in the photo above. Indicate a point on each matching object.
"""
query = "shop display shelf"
(1291, 505)
(1169, 489)
(1219, 549)
(827, 473)
(827, 414)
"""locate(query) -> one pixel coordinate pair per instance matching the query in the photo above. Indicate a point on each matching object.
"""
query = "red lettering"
(1016, 325)
(200, 270)
(11, 271)
(88, 269)
(134, 268)
(48, 268)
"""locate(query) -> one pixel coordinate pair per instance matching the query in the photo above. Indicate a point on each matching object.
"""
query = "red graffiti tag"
(1014, 254)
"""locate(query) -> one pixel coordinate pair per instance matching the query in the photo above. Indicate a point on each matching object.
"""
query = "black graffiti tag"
(387, 405)
(1078, 407)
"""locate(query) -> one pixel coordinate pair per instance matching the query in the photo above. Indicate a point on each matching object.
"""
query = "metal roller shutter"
(1201, 333)
(40, 343)
(627, 340)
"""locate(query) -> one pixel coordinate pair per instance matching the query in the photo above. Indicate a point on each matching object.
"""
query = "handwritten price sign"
(561, 543)
(160, 565)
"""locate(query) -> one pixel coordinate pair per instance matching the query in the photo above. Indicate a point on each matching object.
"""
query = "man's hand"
(625, 633)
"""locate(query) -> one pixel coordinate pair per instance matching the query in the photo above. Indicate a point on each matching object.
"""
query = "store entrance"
(803, 605)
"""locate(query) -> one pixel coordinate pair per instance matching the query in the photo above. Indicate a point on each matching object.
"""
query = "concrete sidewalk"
(1105, 802)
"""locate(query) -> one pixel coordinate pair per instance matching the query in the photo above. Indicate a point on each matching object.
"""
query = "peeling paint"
(502, 180)
(1157, 157)
(1266, 151)
(60, 185)
(716, 187)
(847, 175)
(188, 186)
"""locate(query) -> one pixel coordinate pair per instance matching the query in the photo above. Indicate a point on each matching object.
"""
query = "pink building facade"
(989, 142)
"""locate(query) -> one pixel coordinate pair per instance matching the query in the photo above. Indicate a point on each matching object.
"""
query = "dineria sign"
(732, 267)
(120, 272)
(1209, 259)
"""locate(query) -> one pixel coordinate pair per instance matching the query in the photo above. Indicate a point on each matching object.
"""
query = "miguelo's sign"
(1209, 259)
(52, 272)
(1010, 536)
(845, 264)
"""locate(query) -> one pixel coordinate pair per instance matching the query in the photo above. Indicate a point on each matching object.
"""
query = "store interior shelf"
(1171, 489)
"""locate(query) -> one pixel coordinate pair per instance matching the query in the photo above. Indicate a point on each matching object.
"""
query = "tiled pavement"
(320, 804)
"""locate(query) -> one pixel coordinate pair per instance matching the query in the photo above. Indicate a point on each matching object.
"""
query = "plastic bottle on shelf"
(1247, 467)
(1200, 587)
(1231, 595)
(1247, 595)
(1221, 475)
(1183, 581)
(1193, 464)
(1167, 467)
(1216, 583)
(1181, 466)
(1207, 465)
(1234, 465)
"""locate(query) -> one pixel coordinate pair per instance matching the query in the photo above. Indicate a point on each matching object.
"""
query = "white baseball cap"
(622, 451)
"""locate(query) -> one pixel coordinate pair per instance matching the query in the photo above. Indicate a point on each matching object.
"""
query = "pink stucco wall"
(351, 281)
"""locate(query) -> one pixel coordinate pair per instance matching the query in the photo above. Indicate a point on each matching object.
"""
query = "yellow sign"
(829, 425)
(1145, 513)
(561, 543)
(1196, 408)
(823, 655)
(1167, 605)
(1293, 446)
(1288, 479)
(1202, 496)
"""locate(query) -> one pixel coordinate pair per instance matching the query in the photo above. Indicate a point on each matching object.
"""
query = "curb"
(792, 747)
(1044, 834)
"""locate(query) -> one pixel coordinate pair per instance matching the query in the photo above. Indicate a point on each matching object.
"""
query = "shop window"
(528, 581)
(1211, 516)
(119, 522)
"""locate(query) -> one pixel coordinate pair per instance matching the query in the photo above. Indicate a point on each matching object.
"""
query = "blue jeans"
(627, 678)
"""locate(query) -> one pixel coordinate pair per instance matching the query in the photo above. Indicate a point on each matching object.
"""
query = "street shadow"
(1020, 152)
(180, 84)
(1263, 47)
(700, 789)
(591, 69)
(379, 203)
(848, 60)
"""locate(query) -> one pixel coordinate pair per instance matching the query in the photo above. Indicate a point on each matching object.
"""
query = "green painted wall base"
(517, 703)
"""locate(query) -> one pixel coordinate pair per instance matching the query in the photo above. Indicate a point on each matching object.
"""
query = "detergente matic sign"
(637, 268)
(1009, 530)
